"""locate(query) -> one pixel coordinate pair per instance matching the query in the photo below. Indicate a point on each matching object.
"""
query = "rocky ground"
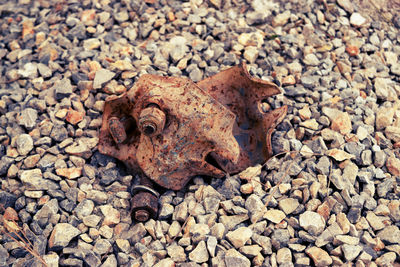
(338, 65)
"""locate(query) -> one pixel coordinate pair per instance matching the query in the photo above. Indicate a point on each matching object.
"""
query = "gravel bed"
(335, 201)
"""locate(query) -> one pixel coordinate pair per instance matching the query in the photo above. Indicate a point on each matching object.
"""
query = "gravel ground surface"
(338, 65)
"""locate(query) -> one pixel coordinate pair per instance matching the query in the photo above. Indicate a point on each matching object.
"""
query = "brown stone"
(70, 173)
(342, 123)
(74, 117)
(319, 256)
(171, 16)
(27, 28)
(352, 50)
(324, 210)
(393, 166)
(10, 214)
(305, 113)
(88, 15)
(343, 222)
(339, 155)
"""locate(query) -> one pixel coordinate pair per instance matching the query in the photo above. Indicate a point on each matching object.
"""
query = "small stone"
(375, 222)
(283, 255)
(177, 48)
(84, 208)
(175, 229)
(82, 149)
(123, 245)
(393, 133)
(102, 76)
(98, 196)
(264, 242)
(51, 259)
(384, 117)
(111, 215)
(393, 166)
(311, 59)
(343, 222)
(305, 113)
(288, 80)
(339, 155)
(250, 54)
(62, 234)
(281, 19)
(362, 133)
(91, 43)
(251, 39)
(196, 75)
(247, 188)
(167, 262)
(250, 172)
(33, 180)
(218, 230)
(395, 69)
(310, 124)
(10, 214)
(346, 239)
(351, 251)
(386, 259)
(234, 259)
(346, 5)
(356, 19)
(59, 133)
(177, 253)
(24, 144)
(166, 211)
(87, 16)
(44, 70)
(240, 236)
(70, 173)
(28, 118)
(250, 251)
(74, 117)
(275, 216)
(352, 50)
(320, 257)
(63, 89)
(288, 205)
(29, 71)
(199, 254)
(111, 261)
(312, 222)
(390, 234)
(366, 158)
(102, 246)
(382, 88)
(180, 212)
(342, 123)
(212, 245)
(91, 220)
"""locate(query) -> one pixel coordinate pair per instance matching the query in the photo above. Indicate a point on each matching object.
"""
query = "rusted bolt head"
(117, 130)
(141, 215)
(151, 121)
(144, 206)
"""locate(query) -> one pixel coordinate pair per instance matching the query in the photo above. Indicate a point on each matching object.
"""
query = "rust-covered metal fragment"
(171, 129)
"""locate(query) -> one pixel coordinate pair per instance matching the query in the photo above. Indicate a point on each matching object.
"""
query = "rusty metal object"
(171, 129)
(144, 203)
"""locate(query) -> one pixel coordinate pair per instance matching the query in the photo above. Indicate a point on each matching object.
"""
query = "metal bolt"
(151, 120)
(117, 130)
(141, 215)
